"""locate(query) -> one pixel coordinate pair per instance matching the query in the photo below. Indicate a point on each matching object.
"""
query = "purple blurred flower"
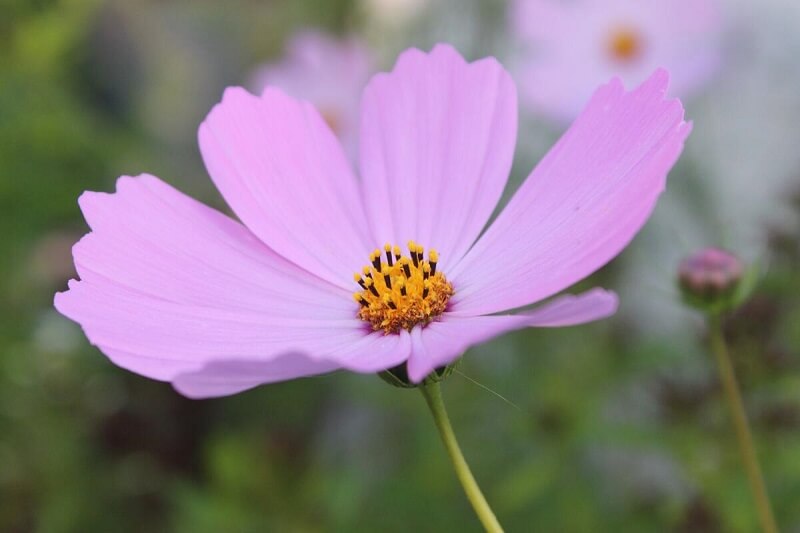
(571, 47)
(176, 291)
(328, 72)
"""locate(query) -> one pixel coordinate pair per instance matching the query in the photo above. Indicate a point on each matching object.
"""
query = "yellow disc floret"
(400, 292)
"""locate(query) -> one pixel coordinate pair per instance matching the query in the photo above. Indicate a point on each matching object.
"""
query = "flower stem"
(433, 395)
(746, 447)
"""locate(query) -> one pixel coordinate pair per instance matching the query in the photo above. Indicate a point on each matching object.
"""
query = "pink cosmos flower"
(328, 72)
(571, 47)
(176, 291)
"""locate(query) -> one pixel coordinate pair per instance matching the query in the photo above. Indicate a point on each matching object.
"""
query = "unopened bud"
(709, 278)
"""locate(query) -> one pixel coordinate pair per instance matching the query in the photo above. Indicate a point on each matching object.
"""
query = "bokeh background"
(615, 426)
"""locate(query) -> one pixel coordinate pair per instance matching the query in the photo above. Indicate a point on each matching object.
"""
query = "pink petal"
(121, 318)
(164, 340)
(371, 353)
(441, 343)
(581, 205)
(538, 21)
(222, 378)
(285, 175)
(155, 240)
(437, 140)
(330, 72)
(169, 285)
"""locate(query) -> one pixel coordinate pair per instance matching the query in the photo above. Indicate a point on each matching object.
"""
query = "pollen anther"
(403, 292)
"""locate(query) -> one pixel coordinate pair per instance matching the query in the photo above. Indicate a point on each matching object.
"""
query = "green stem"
(746, 447)
(433, 395)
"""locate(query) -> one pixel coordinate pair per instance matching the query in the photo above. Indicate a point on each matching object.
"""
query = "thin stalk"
(433, 396)
(743, 434)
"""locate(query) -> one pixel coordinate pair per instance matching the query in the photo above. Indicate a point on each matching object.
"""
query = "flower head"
(570, 47)
(315, 277)
(402, 292)
(327, 71)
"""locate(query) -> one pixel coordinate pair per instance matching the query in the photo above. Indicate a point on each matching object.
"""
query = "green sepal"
(398, 375)
(715, 304)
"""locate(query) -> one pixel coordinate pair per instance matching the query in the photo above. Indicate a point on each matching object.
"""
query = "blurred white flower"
(393, 12)
(568, 48)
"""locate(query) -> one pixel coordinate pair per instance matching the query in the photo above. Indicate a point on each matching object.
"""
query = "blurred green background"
(617, 426)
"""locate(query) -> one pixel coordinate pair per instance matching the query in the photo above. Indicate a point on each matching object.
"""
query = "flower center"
(398, 291)
(625, 44)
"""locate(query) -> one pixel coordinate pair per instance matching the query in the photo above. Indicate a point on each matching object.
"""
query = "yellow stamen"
(404, 292)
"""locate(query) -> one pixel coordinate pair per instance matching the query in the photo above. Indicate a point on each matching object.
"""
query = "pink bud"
(710, 274)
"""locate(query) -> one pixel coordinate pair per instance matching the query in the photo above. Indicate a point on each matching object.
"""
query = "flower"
(570, 47)
(327, 71)
(176, 291)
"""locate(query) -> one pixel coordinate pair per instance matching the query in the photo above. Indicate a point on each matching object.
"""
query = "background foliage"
(617, 426)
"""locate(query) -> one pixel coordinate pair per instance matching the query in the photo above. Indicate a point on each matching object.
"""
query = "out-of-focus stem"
(743, 434)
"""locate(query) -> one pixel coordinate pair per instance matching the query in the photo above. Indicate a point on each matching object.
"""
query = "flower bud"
(709, 278)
